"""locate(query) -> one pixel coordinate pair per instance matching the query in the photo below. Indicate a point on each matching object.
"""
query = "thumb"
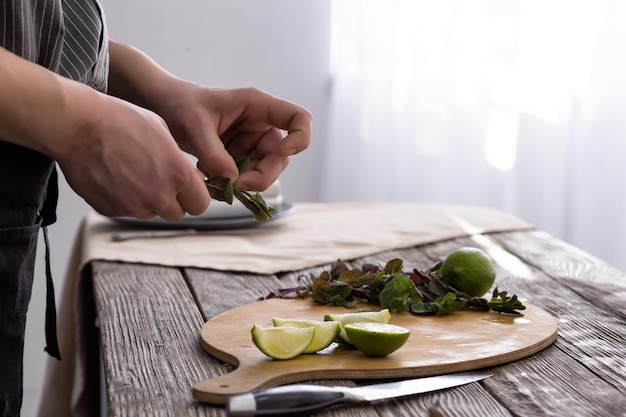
(214, 159)
(194, 198)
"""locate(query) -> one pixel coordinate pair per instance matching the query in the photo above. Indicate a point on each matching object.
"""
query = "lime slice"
(382, 316)
(325, 331)
(377, 339)
(282, 342)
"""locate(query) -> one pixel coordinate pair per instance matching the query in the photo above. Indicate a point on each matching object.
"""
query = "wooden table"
(150, 319)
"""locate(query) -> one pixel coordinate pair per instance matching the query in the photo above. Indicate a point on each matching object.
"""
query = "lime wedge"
(325, 331)
(382, 316)
(377, 339)
(282, 342)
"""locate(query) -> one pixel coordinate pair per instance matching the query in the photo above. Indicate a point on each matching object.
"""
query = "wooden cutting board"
(462, 341)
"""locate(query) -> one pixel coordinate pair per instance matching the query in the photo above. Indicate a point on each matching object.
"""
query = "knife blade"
(298, 398)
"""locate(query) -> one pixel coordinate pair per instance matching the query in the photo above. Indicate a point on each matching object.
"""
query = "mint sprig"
(222, 189)
(420, 292)
(501, 302)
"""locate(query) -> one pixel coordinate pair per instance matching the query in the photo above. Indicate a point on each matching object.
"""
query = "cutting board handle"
(241, 380)
(216, 390)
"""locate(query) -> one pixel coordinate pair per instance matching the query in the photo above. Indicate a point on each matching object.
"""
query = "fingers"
(146, 215)
(297, 121)
(264, 173)
(265, 163)
(214, 159)
(195, 198)
(170, 197)
(221, 125)
(266, 112)
(172, 212)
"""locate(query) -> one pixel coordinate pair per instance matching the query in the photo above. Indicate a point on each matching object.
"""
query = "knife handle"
(284, 400)
(148, 234)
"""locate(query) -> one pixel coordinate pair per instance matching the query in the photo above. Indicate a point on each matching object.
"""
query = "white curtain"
(514, 104)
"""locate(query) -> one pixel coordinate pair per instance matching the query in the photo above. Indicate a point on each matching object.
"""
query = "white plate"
(208, 222)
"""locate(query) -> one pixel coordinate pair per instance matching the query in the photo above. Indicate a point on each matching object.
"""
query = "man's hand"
(217, 126)
(128, 164)
(120, 158)
(123, 158)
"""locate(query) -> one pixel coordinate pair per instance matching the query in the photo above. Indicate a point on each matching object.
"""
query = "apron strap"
(51, 312)
(48, 214)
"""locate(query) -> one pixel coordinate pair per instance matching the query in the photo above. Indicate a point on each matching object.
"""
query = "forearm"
(214, 125)
(119, 157)
(135, 77)
(40, 109)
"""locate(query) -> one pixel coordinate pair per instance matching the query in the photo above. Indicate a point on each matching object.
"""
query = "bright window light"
(501, 138)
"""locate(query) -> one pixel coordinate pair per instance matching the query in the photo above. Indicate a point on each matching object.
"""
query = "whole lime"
(469, 270)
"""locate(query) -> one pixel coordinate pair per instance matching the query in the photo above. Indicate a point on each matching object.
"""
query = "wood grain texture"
(582, 373)
(551, 383)
(591, 335)
(218, 291)
(588, 276)
(591, 330)
(149, 326)
(467, 400)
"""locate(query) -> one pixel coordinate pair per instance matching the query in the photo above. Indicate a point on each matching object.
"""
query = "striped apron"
(69, 38)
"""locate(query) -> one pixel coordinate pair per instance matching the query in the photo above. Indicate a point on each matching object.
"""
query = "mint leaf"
(255, 204)
(393, 267)
(447, 304)
(502, 303)
(222, 189)
(395, 294)
(242, 162)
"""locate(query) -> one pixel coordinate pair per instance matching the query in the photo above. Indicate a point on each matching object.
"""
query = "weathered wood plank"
(462, 401)
(243, 288)
(583, 373)
(592, 334)
(217, 291)
(587, 335)
(149, 327)
(590, 277)
(550, 383)
(592, 329)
